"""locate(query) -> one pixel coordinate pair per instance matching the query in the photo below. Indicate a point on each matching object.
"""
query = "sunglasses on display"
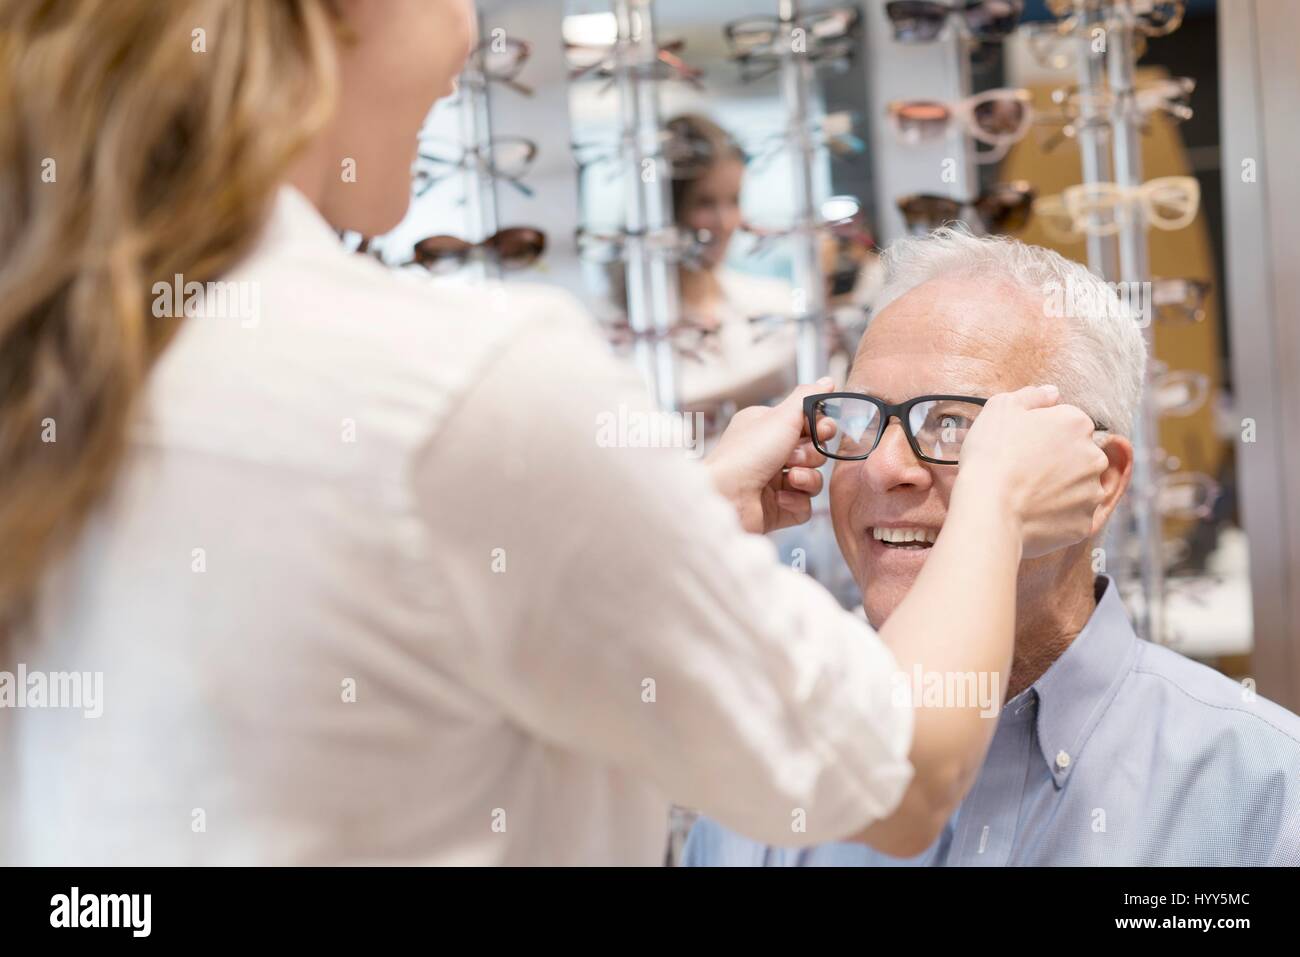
(849, 257)
(583, 57)
(697, 340)
(756, 43)
(1168, 202)
(687, 155)
(1177, 392)
(765, 325)
(1054, 45)
(507, 158)
(996, 118)
(500, 60)
(834, 133)
(762, 36)
(1167, 96)
(841, 216)
(1180, 301)
(600, 60)
(1186, 495)
(690, 155)
(700, 340)
(843, 324)
(1157, 18)
(1057, 223)
(935, 425)
(1100, 209)
(922, 21)
(676, 244)
(516, 247)
(1003, 208)
(688, 339)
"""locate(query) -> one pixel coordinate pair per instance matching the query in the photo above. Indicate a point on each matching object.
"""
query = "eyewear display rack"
(809, 293)
(653, 302)
(1111, 150)
(479, 176)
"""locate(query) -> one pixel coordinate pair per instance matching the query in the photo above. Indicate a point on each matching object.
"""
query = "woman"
(737, 345)
(740, 352)
(361, 581)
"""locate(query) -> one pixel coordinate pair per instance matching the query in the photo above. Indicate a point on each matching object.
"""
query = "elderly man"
(1109, 750)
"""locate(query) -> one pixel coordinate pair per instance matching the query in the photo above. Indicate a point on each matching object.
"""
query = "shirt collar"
(1074, 693)
(296, 223)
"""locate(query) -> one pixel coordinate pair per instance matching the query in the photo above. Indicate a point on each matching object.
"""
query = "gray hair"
(1100, 361)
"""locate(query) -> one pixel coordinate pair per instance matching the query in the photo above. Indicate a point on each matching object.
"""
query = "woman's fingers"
(804, 480)
(806, 455)
(795, 508)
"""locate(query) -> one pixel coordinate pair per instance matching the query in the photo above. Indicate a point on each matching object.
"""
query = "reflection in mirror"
(730, 154)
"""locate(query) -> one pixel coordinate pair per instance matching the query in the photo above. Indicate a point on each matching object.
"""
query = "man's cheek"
(846, 537)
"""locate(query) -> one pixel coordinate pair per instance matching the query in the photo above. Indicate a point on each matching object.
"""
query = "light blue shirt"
(1121, 753)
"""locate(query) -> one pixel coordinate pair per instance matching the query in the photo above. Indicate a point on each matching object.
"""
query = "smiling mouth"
(906, 538)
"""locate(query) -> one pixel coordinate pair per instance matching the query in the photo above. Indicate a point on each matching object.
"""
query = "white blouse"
(372, 589)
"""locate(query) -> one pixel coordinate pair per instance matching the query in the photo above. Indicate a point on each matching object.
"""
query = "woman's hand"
(765, 463)
(1039, 460)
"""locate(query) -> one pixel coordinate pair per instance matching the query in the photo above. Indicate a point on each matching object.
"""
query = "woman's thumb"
(793, 403)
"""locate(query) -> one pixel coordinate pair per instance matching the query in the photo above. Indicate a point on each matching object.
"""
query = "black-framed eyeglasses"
(935, 425)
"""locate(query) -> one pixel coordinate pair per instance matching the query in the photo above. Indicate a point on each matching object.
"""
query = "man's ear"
(1114, 481)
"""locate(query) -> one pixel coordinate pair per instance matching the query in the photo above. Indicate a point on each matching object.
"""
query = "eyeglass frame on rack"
(1025, 191)
(479, 70)
(474, 156)
(489, 247)
(1163, 96)
(961, 12)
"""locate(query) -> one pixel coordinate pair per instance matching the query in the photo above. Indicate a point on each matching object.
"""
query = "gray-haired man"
(1109, 750)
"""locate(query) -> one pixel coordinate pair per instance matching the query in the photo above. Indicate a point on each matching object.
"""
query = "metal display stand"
(1111, 148)
(652, 296)
(809, 306)
(650, 247)
(1093, 135)
(1134, 269)
(480, 183)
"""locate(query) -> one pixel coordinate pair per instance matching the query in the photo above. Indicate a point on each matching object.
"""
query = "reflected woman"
(736, 350)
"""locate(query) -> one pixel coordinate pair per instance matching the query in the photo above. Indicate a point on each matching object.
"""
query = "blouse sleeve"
(613, 605)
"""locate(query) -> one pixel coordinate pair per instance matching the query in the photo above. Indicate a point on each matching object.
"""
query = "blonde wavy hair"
(138, 140)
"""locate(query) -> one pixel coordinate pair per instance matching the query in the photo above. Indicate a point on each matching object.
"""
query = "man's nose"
(893, 463)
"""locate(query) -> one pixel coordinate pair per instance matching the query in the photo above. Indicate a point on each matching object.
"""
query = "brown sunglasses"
(516, 247)
(1002, 208)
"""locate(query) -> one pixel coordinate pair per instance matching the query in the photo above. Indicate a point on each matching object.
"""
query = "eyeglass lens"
(938, 426)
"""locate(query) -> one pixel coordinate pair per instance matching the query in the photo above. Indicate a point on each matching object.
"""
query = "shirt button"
(1062, 760)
